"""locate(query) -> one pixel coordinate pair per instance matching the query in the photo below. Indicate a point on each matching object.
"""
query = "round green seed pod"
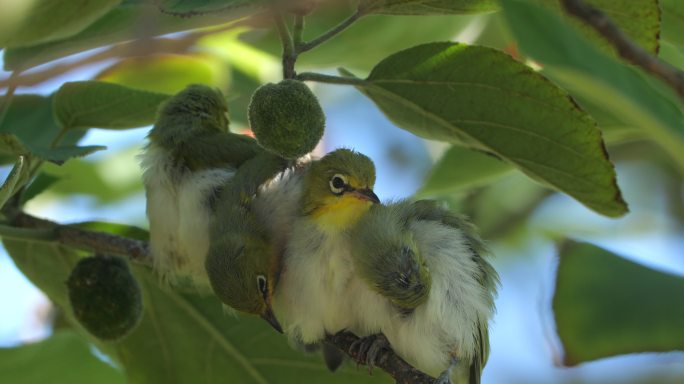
(105, 297)
(286, 118)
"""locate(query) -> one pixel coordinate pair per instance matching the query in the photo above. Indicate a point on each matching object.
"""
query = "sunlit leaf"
(65, 357)
(47, 20)
(167, 74)
(97, 104)
(605, 305)
(427, 7)
(484, 99)
(130, 20)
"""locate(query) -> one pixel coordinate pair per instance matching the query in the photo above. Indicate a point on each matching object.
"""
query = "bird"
(190, 158)
(437, 289)
(408, 273)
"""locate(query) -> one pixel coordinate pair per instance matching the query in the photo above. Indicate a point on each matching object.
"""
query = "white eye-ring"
(261, 283)
(337, 184)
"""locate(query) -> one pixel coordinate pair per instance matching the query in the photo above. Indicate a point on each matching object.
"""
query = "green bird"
(427, 265)
(342, 261)
(191, 157)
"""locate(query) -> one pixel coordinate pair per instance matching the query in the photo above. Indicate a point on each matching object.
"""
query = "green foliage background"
(527, 110)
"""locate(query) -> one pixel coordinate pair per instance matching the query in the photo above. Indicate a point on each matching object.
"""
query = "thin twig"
(387, 360)
(331, 33)
(7, 100)
(99, 242)
(298, 32)
(321, 78)
(25, 226)
(289, 55)
(629, 50)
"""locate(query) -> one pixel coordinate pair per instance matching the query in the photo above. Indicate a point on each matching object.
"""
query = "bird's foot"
(445, 377)
(368, 349)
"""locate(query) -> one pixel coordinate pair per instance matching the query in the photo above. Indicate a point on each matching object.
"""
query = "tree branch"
(387, 360)
(303, 47)
(22, 223)
(629, 50)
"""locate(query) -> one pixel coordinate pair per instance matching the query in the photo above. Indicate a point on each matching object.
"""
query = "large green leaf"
(48, 20)
(185, 338)
(568, 58)
(98, 104)
(485, 99)
(130, 20)
(190, 7)
(461, 168)
(427, 7)
(167, 74)
(64, 357)
(605, 305)
(29, 129)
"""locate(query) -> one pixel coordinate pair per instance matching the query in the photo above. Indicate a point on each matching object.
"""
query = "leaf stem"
(329, 79)
(303, 47)
(298, 32)
(8, 96)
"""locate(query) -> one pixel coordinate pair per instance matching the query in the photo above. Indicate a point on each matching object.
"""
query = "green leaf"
(673, 21)
(427, 7)
(128, 21)
(30, 128)
(202, 6)
(12, 145)
(582, 69)
(484, 99)
(97, 104)
(167, 74)
(175, 326)
(460, 169)
(42, 182)
(64, 357)
(47, 20)
(14, 180)
(638, 19)
(605, 305)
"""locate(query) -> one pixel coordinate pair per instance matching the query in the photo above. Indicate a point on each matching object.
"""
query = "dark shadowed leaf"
(427, 7)
(185, 338)
(48, 20)
(484, 99)
(98, 104)
(42, 182)
(64, 357)
(461, 168)
(605, 305)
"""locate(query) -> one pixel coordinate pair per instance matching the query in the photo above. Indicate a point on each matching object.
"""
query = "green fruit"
(286, 118)
(104, 296)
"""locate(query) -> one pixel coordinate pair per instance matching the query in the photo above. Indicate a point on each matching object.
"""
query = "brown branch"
(138, 251)
(387, 360)
(99, 242)
(629, 50)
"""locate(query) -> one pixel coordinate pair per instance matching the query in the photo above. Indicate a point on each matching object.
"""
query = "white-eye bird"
(427, 263)
(190, 158)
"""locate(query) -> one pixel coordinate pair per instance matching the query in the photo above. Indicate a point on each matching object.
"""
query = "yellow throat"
(340, 213)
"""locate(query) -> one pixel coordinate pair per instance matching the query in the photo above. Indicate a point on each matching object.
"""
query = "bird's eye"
(337, 184)
(261, 283)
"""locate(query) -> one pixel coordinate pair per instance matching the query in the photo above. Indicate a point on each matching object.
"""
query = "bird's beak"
(270, 318)
(366, 194)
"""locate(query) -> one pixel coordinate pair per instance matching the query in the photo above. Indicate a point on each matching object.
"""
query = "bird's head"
(243, 270)
(194, 110)
(338, 189)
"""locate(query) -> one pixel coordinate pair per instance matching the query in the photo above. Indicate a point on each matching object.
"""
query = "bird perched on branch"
(342, 261)
(191, 157)
(436, 291)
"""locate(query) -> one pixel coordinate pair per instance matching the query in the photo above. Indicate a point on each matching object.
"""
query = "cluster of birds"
(307, 245)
